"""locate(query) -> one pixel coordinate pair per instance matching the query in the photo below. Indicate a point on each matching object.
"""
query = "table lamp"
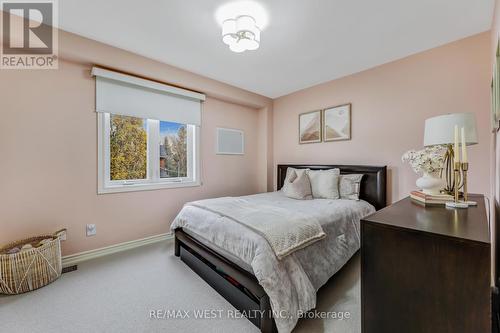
(440, 130)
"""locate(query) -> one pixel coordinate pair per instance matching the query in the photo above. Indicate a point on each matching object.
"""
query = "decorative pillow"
(298, 187)
(324, 183)
(349, 186)
(289, 173)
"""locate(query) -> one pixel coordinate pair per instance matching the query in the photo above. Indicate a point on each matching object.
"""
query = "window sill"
(145, 187)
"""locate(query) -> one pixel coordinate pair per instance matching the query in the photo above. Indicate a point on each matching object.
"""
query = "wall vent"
(230, 141)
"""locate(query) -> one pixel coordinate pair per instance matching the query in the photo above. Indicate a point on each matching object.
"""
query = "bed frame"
(241, 287)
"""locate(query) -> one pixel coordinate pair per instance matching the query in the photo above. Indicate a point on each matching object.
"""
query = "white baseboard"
(77, 258)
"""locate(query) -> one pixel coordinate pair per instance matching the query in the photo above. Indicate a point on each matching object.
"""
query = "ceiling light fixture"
(242, 23)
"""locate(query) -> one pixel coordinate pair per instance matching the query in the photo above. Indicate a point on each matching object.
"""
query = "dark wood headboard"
(373, 184)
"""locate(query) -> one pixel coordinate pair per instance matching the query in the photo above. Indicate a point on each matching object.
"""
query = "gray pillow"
(324, 183)
(289, 173)
(349, 186)
(298, 186)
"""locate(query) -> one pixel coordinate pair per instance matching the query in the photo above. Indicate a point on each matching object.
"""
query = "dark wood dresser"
(426, 269)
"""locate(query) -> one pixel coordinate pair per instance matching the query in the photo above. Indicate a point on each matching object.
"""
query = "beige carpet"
(116, 294)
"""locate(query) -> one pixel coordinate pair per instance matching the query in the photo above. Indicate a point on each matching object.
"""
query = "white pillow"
(349, 186)
(289, 173)
(324, 183)
(298, 187)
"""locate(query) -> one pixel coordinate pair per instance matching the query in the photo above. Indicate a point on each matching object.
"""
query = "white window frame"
(153, 180)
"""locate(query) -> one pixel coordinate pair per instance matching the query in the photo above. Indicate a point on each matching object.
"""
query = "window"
(128, 148)
(141, 148)
(173, 150)
(140, 154)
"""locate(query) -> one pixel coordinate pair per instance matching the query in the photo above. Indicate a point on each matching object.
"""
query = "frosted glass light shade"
(237, 47)
(245, 23)
(229, 27)
(440, 130)
(248, 44)
(241, 33)
(229, 31)
(229, 39)
(251, 44)
(256, 34)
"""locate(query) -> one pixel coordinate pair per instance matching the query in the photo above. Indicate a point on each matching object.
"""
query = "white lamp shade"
(228, 31)
(252, 45)
(241, 33)
(256, 33)
(248, 44)
(237, 47)
(440, 130)
(228, 27)
(245, 23)
(229, 39)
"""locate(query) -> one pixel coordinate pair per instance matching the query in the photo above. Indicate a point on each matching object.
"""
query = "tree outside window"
(173, 150)
(128, 148)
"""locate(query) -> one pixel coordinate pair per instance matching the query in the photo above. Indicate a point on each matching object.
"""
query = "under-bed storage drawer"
(239, 299)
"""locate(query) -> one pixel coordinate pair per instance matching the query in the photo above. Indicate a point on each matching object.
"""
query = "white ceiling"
(305, 43)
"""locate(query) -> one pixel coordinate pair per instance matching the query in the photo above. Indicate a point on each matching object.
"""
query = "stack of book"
(430, 199)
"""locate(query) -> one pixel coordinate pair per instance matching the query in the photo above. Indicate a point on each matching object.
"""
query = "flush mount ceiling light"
(242, 23)
(241, 33)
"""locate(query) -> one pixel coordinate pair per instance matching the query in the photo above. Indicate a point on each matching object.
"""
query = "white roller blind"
(128, 95)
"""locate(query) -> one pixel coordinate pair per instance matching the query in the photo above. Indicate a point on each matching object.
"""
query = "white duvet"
(291, 283)
(286, 231)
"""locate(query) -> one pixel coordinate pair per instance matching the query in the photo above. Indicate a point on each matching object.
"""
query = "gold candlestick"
(465, 167)
(457, 166)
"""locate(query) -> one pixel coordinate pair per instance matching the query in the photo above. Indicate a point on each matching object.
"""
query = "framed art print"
(310, 127)
(337, 123)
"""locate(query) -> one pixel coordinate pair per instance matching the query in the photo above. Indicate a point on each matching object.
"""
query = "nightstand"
(426, 269)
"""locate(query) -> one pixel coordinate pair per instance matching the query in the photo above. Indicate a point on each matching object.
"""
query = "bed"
(238, 264)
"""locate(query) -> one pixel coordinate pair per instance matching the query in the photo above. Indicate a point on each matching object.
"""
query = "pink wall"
(389, 106)
(48, 144)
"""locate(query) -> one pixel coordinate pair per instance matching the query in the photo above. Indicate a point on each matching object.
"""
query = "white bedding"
(292, 282)
(286, 231)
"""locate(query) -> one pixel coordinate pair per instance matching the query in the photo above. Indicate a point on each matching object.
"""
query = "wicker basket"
(30, 269)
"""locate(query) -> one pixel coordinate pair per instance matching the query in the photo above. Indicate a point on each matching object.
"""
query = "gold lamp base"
(448, 170)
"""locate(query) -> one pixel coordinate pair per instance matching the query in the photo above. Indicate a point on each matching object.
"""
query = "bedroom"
(217, 121)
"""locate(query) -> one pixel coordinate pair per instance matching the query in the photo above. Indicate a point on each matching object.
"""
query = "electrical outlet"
(91, 230)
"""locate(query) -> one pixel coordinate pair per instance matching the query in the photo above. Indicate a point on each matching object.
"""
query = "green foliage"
(176, 147)
(180, 151)
(128, 148)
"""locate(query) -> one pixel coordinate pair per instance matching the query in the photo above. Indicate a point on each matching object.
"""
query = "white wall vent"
(230, 141)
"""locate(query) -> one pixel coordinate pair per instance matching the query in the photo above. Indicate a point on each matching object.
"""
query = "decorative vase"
(430, 184)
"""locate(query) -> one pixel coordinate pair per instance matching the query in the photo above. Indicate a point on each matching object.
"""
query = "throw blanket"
(285, 231)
